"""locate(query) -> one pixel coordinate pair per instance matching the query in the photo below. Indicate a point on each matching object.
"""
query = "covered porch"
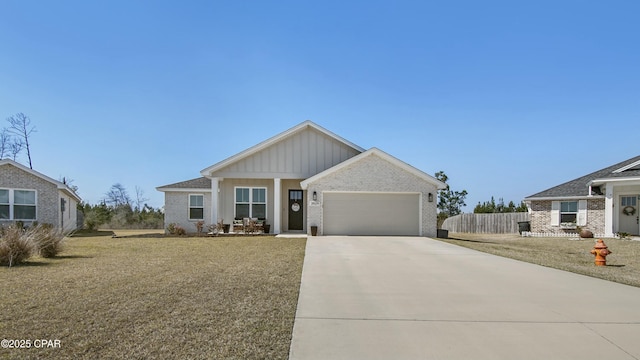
(622, 199)
(253, 204)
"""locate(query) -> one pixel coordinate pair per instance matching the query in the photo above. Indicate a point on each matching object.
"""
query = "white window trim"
(568, 225)
(581, 214)
(189, 207)
(251, 202)
(12, 204)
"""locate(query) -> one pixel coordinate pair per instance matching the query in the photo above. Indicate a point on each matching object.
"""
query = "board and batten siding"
(299, 156)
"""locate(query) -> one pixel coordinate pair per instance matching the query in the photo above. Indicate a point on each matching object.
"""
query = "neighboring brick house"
(605, 202)
(27, 195)
(307, 176)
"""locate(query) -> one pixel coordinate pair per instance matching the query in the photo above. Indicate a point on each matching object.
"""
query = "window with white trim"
(250, 203)
(196, 207)
(568, 211)
(17, 204)
(5, 205)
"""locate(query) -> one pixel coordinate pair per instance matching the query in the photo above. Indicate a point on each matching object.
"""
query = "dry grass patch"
(623, 265)
(137, 232)
(197, 298)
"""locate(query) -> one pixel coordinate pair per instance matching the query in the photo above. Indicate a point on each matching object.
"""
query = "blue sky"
(508, 98)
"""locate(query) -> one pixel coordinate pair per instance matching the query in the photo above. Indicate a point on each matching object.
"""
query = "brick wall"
(541, 217)
(176, 209)
(595, 216)
(373, 173)
(47, 198)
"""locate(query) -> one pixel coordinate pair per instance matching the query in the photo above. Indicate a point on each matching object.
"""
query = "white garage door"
(357, 213)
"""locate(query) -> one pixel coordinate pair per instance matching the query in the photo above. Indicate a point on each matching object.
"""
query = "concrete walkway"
(417, 298)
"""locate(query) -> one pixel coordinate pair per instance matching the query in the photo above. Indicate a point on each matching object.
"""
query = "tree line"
(489, 207)
(118, 210)
(450, 202)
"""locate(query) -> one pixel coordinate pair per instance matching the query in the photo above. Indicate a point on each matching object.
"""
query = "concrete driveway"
(417, 298)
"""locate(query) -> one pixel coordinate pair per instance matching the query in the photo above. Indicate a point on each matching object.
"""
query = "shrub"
(199, 226)
(175, 229)
(48, 241)
(16, 246)
(91, 221)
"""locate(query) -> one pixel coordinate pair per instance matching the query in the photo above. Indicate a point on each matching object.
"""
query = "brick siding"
(541, 217)
(375, 174)
(47, 197)
(176, 207)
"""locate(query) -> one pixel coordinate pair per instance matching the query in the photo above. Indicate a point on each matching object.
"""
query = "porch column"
(277, 207)
(215, 182)
(608, 211)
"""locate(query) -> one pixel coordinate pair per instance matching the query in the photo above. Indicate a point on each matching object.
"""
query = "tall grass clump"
(16, 245)
(48, 241)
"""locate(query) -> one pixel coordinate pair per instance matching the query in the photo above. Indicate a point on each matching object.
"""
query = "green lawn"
(145, 297)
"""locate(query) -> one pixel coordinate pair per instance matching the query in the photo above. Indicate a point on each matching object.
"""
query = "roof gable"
(58, 184)
(200, 184)
(381, 154)
(580, 187)
(297, 153)
(634, 166)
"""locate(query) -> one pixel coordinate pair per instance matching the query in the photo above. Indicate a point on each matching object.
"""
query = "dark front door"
(295, 209)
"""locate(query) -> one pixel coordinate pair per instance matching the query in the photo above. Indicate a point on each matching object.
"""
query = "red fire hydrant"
(600, 251)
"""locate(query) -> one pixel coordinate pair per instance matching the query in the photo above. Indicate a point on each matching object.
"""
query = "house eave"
(64, 188)
(559, 198)
(168, 189)
(632, 180)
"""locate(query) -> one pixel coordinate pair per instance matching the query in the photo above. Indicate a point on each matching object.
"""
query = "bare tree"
(140, 199)
(5, 142)
(15, 148)
(69, 183)
(117, 196)
(21, 127)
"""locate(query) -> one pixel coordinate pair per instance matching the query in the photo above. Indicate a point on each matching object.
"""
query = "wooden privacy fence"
(500, 223)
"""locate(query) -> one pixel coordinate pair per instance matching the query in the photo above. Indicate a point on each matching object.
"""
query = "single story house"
(27, 195)
(604, 202)
(308, 176)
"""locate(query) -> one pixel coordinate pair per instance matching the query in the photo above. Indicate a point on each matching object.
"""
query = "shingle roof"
(198, 183)
(579, 186)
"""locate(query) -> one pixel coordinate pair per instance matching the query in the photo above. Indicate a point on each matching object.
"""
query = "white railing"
(549, 234)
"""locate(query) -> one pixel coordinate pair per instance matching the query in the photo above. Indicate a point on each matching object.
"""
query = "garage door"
(357, 213)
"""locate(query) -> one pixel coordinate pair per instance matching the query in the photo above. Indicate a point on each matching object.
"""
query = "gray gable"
(303, 152)
(579, 186)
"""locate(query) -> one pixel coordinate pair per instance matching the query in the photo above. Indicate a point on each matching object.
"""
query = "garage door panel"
(371, 214)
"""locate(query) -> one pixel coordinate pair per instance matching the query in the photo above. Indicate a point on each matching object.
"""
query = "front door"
(295, 209)
(629, 215)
